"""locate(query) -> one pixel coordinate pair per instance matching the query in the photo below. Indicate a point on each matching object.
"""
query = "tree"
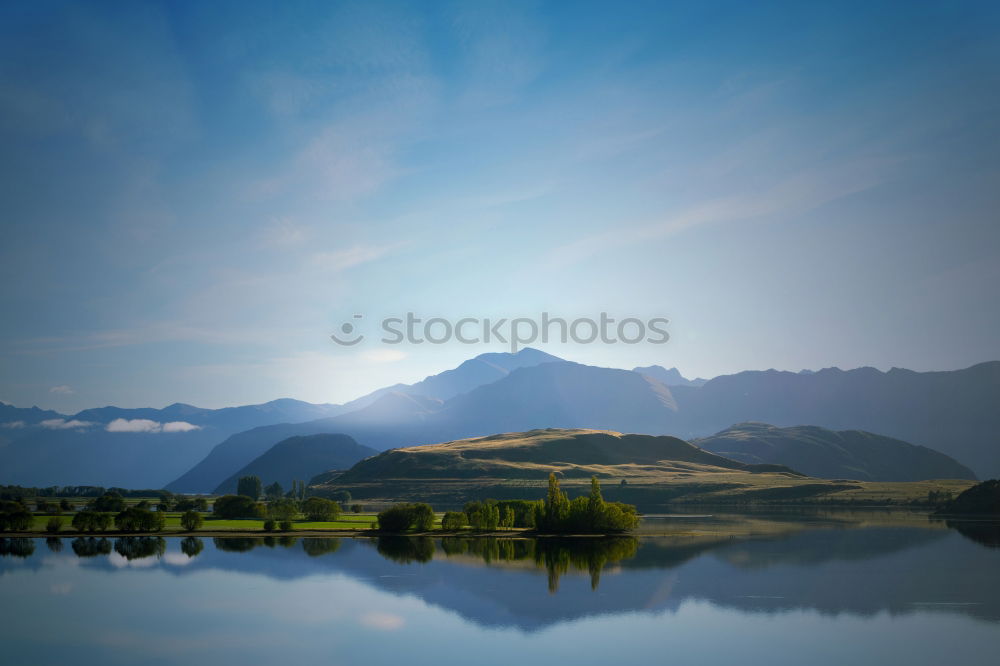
(15, 517)
(357, 508)
(590, 514)
(320, 510)
(191, 520)
(109, 502)
(65, 505)
(269, 525)
(235, 506)
(191, 504)
(249, 486)
(54, 525)
(342, 496)
(403, 517)
(507, 517)
(555, 511)
(283, 509)
(91, 521)
(135, 519)
(274, 491)
(453, 520)
(285, 525)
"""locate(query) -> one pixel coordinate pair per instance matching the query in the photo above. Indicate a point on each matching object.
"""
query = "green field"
(354, 521)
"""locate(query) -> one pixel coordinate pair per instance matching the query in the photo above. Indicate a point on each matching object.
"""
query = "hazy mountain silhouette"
(80, 450)
(953, 412)
(300, 458)
(935, 407)
(386, 417)
(829, 454)
(668, 377)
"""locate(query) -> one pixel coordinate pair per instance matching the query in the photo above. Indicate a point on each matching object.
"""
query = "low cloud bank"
(63, 424)
(150, 426)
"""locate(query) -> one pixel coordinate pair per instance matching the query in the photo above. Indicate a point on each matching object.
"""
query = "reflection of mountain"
(860, 571)
(985, 532)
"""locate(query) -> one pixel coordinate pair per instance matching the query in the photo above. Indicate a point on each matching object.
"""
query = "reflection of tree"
(91, 546)
(192, 546)
(55, 544)
(316, 546)
(985, 532)
(405, 550)
(590, 555)
(237, 544)
(556, 556)
(17, 547)
(136, 548)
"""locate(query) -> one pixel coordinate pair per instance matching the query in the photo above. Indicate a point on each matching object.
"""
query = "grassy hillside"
(833, 454)
(641, 469)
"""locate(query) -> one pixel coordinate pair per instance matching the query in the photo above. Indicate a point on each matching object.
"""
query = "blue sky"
(195, 195)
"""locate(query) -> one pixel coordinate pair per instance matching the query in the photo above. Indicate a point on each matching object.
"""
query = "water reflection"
(985, 532)
(192, 546)
(139, 547)
(828, 564)
(17, 547)
(91, 546)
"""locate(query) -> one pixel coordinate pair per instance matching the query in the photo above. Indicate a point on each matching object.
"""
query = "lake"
(775, 588)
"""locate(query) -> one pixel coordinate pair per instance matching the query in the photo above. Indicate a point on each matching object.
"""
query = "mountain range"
(952, 412)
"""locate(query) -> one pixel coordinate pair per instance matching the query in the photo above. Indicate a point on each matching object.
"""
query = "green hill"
(641, 469)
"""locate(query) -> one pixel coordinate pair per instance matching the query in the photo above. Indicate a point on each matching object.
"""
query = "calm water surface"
(861, 588)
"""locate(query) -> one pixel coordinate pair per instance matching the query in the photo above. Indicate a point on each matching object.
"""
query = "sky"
(195, 196)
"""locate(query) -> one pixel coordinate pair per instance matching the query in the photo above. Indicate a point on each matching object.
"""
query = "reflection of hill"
(501, 582)
(985, 532)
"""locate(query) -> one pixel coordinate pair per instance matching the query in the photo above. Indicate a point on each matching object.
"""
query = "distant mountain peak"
(668, 376)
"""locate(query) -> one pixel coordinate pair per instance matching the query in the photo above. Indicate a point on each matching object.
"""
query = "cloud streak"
(150, 426)
(63, 424)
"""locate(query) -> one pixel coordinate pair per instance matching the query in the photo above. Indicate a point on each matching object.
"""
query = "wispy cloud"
(341, 260)
(785, 198)
(62, 389)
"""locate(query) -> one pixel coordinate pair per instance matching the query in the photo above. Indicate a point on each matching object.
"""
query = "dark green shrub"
(54, 525)
(320, 510)
(91, 521)
(286, 526)
(404, 517)
(453, 520)
(109, 502)
(269, 525)
(135, 519)
(191, 520)
(235, 506)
